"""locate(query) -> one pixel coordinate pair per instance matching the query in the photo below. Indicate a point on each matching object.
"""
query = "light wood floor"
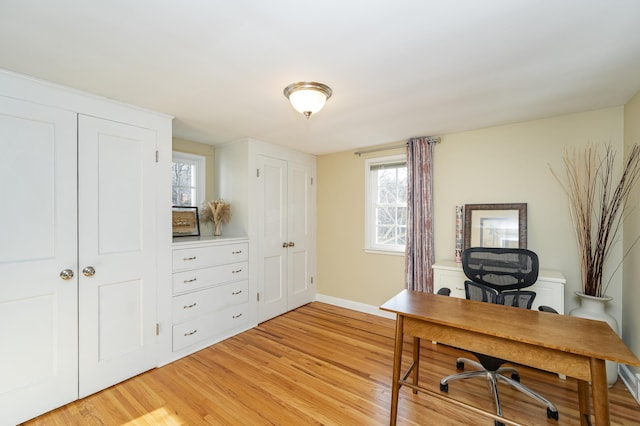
(319, 364)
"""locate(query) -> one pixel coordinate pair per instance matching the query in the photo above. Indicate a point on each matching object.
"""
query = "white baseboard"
(354, 306)
(632, 381)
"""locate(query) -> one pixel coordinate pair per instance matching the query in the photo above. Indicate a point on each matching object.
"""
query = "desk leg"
(416, 362)
(599, 392)
(583, 402)
(397, 365)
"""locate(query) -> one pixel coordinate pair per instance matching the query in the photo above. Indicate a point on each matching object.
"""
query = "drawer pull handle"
(235, 293)
(236, 271)
(190, 281)
(189, 306)
(190, 333)
(189, 258)
(237, 316)
(236, 252)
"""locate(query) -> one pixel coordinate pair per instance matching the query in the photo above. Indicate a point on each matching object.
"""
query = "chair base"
(493, 377)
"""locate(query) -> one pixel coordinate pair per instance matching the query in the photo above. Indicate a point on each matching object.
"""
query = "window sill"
(387, 252)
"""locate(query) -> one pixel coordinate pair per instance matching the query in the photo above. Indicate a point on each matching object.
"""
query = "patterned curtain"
(419, 254)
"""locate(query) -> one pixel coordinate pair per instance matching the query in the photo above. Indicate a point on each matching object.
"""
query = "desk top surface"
(594, 339)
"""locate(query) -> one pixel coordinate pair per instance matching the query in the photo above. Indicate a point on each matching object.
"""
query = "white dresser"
(549, 288)
(210, 291)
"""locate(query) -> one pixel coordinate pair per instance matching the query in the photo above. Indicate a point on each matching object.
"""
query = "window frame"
(200, 162)
(370, 207)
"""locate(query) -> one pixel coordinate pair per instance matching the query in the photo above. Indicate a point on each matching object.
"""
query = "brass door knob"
(66, 274)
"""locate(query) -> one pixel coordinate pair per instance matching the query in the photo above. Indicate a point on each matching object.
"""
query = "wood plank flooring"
(316, 365)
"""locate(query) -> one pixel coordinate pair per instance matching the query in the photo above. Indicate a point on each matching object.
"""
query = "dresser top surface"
(545, 274)
(179, 242)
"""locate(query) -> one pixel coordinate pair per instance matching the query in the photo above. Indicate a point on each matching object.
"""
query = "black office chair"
(498, 275)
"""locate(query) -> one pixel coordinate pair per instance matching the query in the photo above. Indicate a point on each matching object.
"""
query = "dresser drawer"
(209, 325)
(207, 277)
(202, 257)
(453, 280)
(192, 305)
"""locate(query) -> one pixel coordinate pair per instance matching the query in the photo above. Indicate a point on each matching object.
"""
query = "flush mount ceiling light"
(307, 97)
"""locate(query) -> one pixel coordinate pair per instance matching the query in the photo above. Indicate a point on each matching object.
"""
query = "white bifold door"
(38, 230)
(285, 236)
(77, 257)
(116, 252)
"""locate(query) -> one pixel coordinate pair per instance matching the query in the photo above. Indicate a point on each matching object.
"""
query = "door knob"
(291, 244)
(66, 274)
(88, 271)
(285, 244)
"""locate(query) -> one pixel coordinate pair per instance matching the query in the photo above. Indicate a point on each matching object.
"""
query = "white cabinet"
(81, 257)
(274, 195)
(210, 292)
(549, 287)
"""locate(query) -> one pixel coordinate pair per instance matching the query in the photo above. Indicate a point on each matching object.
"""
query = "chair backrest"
(501, 268)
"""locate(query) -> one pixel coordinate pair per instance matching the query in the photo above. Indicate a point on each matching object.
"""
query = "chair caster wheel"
(460, 365)
(552, 414)
(445, 387)
(516, 377)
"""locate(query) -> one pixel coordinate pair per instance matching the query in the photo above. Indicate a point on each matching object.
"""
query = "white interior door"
(300, 230)
(117, 211)
(38, 309)
(272, 235)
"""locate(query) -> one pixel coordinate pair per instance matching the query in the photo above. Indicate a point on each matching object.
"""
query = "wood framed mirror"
(495, 225)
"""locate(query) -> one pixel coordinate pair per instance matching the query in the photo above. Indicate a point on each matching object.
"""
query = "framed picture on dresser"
(185, 221)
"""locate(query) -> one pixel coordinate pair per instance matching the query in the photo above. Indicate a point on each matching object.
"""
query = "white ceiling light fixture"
(307, 97)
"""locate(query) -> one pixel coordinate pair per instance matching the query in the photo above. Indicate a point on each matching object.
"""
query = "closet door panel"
(120, 195)
(272, 235)
(38, 309)
(300, 231)
(117, 213)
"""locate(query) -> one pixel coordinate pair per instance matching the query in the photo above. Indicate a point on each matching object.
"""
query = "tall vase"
(218, 229)
(593, 307)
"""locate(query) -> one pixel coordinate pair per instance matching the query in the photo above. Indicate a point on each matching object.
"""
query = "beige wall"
(496, 165)
(207, 151)
(344, 270)
(631, 293)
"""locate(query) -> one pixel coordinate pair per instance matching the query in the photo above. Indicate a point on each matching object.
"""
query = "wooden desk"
(567, 345)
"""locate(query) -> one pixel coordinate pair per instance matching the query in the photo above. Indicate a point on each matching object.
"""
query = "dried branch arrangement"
(597, 205)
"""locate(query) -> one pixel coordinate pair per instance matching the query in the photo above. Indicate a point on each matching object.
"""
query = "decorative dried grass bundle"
(218, 212)
(597, 207)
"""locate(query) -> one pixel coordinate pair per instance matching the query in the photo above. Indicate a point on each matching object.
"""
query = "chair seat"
(488, 362)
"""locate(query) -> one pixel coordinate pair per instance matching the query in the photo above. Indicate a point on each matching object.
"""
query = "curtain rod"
(387, 148)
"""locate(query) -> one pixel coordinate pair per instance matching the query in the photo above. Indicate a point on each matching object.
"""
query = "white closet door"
(272, 235)
(300, 234)
(38, 309)
(117, 214)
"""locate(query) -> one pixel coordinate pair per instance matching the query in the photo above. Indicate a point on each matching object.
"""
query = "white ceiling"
(398, 68)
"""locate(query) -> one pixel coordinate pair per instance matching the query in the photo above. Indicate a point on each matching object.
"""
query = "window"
(188, 179)
(386, 203)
